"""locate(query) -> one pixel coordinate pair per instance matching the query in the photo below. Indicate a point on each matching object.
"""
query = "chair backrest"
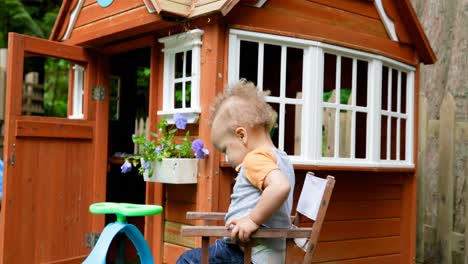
(313, 204)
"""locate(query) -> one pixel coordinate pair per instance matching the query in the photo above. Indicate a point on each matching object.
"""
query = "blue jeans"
(220, 253)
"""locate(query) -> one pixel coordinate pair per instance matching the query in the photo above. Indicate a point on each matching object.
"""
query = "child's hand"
(243, 228)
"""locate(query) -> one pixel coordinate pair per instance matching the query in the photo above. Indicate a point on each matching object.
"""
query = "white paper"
(311, 196)
(302, 243)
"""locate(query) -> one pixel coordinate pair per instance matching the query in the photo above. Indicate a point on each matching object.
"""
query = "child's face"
(228, 143)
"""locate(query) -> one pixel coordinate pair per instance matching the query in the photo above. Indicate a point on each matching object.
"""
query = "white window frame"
(183, 42)
(312, 103)
(78, 80)
(389, 113)
(337, 106)
(282, 100)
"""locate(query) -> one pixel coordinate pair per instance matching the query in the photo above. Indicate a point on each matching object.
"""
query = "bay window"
(336, 106)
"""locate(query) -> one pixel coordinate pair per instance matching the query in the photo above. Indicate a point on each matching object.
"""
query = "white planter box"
(174, 170)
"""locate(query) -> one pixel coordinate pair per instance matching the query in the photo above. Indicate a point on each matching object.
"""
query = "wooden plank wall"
(56, 201)
(179, 199)
(364, 221)
(203, 196)
(96, 25)
(92, 12)
(347, 23)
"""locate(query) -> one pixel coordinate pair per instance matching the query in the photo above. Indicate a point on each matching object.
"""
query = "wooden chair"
(311, 232)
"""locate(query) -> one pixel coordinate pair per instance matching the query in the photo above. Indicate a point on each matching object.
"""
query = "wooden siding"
(172, 252)
(364, 219)
(154, 191)
(361, 7)
(345, 16)
(97, 26)
(89, 2)
(344, 25)
(94, 12)
(179, 200)
(59, 157)
(204, 196)
(367, 221)
(52, 168)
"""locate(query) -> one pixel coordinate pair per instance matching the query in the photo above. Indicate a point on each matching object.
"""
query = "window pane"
(292, 137)
(393, 129)
(403, 139)
(188, 63)
(384, 88)
(394, 98)
(188, 94)
(346, 79)
(403, 92)
(361, 135)
(178, 64)
(361, 83)
(345, 134)
(383, 142)
(272, 69)
(178, 95)
(143, 74)
(329, 77)
(328, 132)
(46, 84)
(55, 90)
(274, 133)
(294, 61)
(248, 62)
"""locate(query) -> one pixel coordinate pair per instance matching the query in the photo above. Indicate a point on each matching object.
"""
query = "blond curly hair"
(242, 104)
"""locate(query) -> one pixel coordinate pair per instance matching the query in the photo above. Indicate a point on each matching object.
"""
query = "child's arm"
(276, 188)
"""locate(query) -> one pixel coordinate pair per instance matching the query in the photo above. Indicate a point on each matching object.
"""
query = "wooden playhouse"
(343, 77)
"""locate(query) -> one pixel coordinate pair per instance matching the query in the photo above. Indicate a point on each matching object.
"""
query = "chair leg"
(205, 250)
(247, 253)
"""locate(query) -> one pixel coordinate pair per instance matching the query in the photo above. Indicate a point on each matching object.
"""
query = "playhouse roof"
(159, 12)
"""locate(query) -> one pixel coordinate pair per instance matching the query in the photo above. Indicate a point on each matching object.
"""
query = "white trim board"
(73, 17)
(388, 23)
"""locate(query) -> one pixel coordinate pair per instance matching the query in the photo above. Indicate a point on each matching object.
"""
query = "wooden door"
(54, 167)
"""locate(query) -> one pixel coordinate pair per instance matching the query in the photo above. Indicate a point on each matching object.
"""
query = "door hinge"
(98, 93)
(12, 159)
(12, 155)
(91, 239)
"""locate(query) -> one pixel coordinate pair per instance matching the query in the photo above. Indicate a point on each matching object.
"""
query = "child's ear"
(241, 133)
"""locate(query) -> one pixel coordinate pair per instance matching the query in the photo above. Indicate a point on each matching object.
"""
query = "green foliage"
(15, 17)
(37, 18)
(56, 87)
(344, 95)
(143, 74)
(163, 146)
(34, 18)
(178, 94)
(142, 93)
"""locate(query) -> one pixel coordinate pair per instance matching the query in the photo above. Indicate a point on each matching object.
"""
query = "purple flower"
(126, 167)
(180, 121)
(146, 165)
(197, 144)
(197, 147)
(158, 150)
(200, 154)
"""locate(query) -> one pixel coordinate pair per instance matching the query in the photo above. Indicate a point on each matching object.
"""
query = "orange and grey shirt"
(248, 188)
